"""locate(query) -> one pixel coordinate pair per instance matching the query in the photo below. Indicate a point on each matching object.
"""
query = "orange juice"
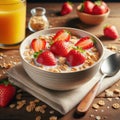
(12, 21)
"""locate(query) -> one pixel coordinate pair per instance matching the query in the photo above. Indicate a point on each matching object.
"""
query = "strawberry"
(85, 43)
(104, 4)
(88, 7)
(66, 8)
(75, 57)
(59, 48)
(7, 92)
(100, 8)
(110, 31)
(62, 35)
(46, 58)
(38, 45)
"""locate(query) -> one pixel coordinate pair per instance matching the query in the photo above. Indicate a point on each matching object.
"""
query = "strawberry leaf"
(98, 2)
(79, 49)
(82, 7)
(69, 2)
(35, 55)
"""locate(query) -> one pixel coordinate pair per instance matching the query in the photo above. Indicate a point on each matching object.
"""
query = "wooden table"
(55, 20)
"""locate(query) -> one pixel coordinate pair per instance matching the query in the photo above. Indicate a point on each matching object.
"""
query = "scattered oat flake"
(101, 103)
(116, 105)
(29, 108)
(20, 104)
(108, 93)
(36, 101)
(95, 106)
(38, 118)
(52, 111)
(92, 115)
(40, 109)
(12, 105)
(98, 118)
(102, 110)
(19, 96)
(110, 99)
(53, 118)
(117, 91)
(108, 107)
(117, 98)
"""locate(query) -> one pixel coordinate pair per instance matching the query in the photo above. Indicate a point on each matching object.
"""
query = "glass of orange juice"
(12, 22)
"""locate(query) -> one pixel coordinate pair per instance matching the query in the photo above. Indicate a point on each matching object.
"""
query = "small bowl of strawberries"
(93, 13)
(61, 58)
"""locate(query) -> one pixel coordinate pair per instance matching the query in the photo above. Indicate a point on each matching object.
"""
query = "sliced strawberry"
(110, 31)
(85, 43)
(59, 48)
(7, 92)
(38, 45)
(75, 57)
(46, 58)
(62, 35)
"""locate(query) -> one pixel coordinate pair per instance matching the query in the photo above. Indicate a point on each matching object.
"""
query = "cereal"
(110, 99)
(36, 101)
(92, 55)
(20, 104)
(92, 116)
(38, 118)
(95, 106)
(98, 118)
(53, 118)
(102, 110)
(117, 98)
(73, 69)
(29, 108)
(117, 91)
(112, 47)
(108, 107)
(101, 103)
(52, 111)
(12, 105)
(44, 106)
(40, 109)
(108, 93)
(18, 96)
(116, 105)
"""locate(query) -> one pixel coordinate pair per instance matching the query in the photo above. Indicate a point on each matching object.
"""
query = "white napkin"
(62, 101)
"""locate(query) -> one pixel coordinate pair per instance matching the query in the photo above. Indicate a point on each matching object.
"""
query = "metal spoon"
(109, 67)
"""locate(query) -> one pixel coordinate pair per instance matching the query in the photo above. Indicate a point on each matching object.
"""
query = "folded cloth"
(62, 101)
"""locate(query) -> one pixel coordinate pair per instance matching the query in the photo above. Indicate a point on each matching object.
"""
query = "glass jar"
(12, 22)
(38, 20)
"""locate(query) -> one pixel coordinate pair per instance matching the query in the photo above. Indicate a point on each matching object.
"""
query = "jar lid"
(38, 11)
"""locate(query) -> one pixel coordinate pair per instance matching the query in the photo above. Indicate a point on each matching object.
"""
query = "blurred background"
(68, 0)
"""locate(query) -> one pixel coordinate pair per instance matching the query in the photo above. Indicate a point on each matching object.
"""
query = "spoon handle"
(84, 105)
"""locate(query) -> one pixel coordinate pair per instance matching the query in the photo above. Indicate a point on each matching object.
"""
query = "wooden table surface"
(11, 57)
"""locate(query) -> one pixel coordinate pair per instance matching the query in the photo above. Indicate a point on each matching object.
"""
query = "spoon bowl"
(111, 65)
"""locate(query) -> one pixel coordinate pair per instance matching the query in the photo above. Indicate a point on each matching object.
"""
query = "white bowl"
(60, 81)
